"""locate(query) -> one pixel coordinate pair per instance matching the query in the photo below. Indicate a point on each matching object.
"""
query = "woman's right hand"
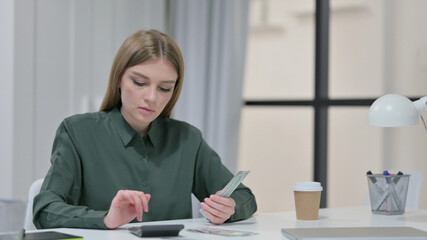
(126, 206)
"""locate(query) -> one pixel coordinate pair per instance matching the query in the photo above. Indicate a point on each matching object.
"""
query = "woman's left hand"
(218, 209)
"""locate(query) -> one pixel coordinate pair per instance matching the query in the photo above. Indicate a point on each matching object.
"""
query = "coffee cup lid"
(308, 186)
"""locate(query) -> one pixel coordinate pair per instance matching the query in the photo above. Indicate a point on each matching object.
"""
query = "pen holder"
(388, 193)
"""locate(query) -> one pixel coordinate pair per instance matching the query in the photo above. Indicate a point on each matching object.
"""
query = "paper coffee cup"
(307, 200)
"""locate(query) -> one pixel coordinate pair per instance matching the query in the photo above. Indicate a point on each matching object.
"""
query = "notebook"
(51, 235)
(353, 233)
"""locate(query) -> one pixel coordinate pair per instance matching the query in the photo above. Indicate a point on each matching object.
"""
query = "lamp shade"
(393, 110)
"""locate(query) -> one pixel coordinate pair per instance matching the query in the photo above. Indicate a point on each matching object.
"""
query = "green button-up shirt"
(95, 155)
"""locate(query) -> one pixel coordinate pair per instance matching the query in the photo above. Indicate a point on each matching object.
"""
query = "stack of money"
(233, 184)
(230, 187)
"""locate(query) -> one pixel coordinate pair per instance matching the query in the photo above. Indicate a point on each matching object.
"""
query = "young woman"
(130, 161)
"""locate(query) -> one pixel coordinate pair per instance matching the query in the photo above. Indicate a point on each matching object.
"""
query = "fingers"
(136, 198)
(143, 200)
(214, 219)
(127, 205)
(137, 203)
(218, 209)
(141, 203)
(227, 201)
(148, 196)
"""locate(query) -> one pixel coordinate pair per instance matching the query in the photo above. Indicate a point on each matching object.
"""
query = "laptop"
(353, 233)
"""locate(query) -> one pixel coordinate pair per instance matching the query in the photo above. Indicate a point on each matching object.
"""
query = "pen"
(396, 198)
(396, 179)
(373, 180)
(383, 194)
(391, 188)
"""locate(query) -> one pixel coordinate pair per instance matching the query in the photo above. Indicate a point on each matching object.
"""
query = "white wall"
(57, 59)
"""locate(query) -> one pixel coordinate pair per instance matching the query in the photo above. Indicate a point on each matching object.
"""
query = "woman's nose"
(150, 94)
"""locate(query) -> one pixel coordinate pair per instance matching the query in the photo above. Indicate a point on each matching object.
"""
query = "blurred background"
(249, 84)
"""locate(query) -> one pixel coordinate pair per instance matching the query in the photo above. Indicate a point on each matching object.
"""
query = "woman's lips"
(146, 110)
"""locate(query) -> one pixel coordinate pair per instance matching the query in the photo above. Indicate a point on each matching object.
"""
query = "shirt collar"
(127, 133)
(153, 133)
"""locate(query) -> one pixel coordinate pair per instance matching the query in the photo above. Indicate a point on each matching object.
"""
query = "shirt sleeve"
(211, 176)
(57, 203)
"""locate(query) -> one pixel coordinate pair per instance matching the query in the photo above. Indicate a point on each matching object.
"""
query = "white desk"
(269, 225)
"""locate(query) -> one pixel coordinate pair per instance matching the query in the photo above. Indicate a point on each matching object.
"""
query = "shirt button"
(144, 184)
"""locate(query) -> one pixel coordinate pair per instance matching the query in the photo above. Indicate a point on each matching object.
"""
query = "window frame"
(321, 101)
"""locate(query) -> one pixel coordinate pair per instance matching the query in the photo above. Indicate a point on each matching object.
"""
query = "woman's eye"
(165, 89)
(139, 84)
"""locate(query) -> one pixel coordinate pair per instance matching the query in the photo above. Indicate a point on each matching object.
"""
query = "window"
(276, 140)
(375, 47)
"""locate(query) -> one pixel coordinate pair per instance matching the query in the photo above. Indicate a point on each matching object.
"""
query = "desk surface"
(268, 226)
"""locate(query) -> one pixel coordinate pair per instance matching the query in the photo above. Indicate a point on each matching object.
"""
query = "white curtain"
(212, 36)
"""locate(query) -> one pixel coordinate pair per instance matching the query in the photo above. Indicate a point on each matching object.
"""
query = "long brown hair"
(136, 49)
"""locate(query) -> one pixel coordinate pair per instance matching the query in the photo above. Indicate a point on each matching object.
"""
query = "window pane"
(377, 47)
(276, 144)
(353, 149)
(280, 50)
(407, 73)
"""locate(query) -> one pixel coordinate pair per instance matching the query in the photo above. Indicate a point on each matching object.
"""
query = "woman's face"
(145, 90)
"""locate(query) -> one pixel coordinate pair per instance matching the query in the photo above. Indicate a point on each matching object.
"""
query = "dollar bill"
(222, 231)
(231, 186)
